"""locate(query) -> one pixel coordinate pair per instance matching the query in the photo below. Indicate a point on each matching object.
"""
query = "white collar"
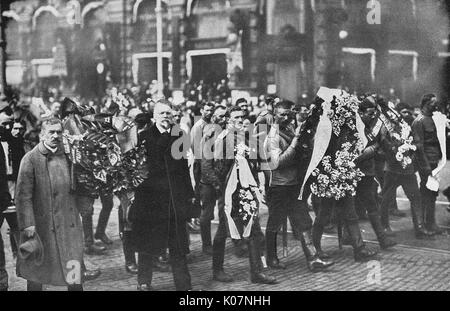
(49, 148)
(162, 130)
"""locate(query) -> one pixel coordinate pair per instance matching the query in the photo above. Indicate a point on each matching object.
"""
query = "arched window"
(45, 35)
(13, 39)
(145, 23)
(210, 18)
(94, 27)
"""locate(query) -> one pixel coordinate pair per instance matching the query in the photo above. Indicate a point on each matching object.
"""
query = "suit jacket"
(161, 202)
(17, 151)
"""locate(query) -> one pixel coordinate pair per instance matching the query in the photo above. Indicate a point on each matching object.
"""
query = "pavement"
(411, 265)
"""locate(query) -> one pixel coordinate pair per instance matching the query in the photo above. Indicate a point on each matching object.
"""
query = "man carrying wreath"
(240, 215)
(284, 187)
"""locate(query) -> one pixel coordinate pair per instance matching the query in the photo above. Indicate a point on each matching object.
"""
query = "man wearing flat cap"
(47, 211)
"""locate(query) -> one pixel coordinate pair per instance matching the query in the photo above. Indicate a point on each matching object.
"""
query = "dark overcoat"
(161, 202)
(44, 200)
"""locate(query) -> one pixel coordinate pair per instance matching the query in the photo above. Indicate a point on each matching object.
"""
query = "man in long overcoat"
(161, 206)
(46, 208)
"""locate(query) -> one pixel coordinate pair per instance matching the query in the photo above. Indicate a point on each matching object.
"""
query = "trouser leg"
(3, 272)
(411, 189)
(322, 219)
(366, 196)
(34, 286)
(316, 201)
(107, 200)
(208, 202)
(86, 207)
(428, 202)
(88, 230)
(11, 219)
(256, 265)
(128, 250)
(178, 260)
(277, 215)
(346, 213)
(180, 271)
(145, 270)
(391, 182)
(75, 288)
(219, 241)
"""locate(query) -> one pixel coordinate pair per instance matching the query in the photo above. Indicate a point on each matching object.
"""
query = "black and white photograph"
(224, 150)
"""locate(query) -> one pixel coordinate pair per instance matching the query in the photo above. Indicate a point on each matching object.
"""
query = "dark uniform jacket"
(208, 173)
(366, 161)
(427, 142)
(224, 154)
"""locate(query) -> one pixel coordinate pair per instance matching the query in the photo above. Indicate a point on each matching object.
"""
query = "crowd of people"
(238, 155)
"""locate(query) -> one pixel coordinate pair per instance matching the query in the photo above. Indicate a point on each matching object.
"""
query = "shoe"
(222, 276)
(315, 264)
(387, 243)
(397, 213)
(423, 234)
(388, 232)
(90, 275)
(131, 268)
(95, 250)
(384, 241)
(104, 238)
(323, 255)
(436, 230)
(318, 265)
(161, 266)
(193, 227)
(330, 229)
(144, 288)
(256, 266)
(261, 278)
(208, 250)
(275, 264)
(364, 254)
(272, 260)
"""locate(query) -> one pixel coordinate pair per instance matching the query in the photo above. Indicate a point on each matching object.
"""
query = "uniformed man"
(224, 159)
(209, 182)
(430, 152)
(284, 190)
(366, 191)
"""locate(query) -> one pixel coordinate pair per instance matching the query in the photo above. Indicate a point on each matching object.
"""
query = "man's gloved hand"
(30, 231)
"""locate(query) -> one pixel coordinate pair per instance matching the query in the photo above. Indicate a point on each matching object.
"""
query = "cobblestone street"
(404, 267)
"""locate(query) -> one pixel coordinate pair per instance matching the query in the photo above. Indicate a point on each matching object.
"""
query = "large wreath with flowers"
(97, 157)
(337, 175)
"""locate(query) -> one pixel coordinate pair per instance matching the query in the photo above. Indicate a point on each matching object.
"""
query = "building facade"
(286, 46)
